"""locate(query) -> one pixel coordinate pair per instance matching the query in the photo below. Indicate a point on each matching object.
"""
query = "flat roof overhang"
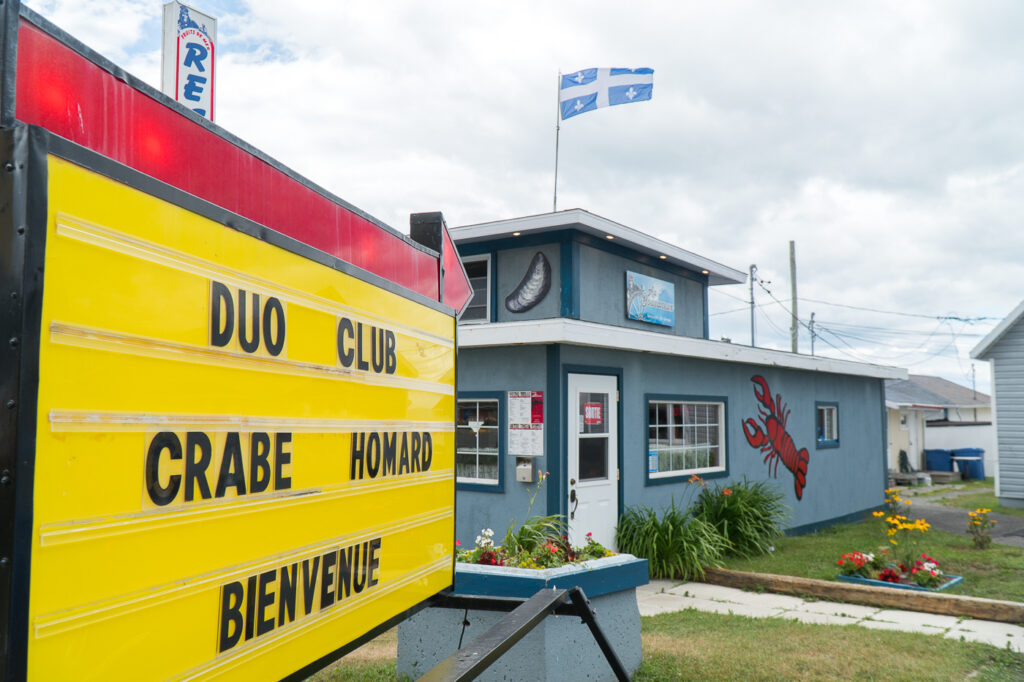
(575, 332)
(588, 223)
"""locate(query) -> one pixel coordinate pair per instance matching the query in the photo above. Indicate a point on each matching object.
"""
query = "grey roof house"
(1004, 350)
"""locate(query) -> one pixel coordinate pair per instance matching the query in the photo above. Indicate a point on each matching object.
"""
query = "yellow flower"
(906, 501)
(878, 514)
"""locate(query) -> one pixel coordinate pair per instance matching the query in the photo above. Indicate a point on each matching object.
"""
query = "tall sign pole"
(187, 58)
(558, 128)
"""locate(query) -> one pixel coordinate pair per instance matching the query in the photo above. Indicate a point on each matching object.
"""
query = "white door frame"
(593, 498)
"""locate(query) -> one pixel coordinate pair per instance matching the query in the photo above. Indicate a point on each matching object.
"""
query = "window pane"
(593, 462)
(488, 467)
(465, 440)
(476, 442)
(593, 413)
(826, 423)
(465, 465)
(488, 439)
(688, 437)
(475, 268)
(489, 412)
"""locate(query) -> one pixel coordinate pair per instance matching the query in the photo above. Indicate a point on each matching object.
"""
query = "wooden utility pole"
(795, 327)
(811, 327)
(753, 269)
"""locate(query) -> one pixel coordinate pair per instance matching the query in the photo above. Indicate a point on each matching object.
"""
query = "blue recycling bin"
(970, 462)
(938, 460)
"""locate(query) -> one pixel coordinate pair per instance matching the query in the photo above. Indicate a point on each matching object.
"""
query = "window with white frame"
(827, 425)
(478, 269)
(685, 437)
(476, 442)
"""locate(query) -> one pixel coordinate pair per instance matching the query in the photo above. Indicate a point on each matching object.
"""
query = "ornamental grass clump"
(675, 544)
(979, 526)
(679, 542)
(749, 515)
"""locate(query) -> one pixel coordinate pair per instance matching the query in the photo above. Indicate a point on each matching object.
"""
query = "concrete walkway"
(662, 596)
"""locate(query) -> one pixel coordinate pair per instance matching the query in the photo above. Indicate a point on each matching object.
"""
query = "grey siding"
(1008, 378)
(511, 267)
(603, 294)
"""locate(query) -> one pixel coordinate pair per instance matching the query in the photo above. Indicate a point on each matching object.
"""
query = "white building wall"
(967, 436)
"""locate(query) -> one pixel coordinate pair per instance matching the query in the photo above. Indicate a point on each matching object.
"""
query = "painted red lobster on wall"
(773, 438)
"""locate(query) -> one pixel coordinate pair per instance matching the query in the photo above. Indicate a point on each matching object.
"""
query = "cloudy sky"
(886, 139)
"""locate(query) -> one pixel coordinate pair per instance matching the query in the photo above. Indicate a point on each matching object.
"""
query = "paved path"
(662, 596)
(1009, 530)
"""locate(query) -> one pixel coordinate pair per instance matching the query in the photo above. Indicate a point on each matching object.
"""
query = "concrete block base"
(560, 648)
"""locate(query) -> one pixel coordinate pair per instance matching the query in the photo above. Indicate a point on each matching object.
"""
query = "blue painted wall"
(520, 368)
(841, 481)
(602, 281)
(588, 281)
(512, 265)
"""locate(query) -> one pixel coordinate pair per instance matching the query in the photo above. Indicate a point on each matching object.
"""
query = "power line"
(957, 318)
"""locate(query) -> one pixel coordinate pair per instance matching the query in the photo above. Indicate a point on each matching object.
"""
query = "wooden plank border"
(927, 602)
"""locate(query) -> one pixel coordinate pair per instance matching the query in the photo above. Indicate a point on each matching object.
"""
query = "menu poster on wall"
(526, 423)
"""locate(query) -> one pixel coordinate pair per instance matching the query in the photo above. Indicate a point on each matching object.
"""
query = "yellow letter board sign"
(243, 457)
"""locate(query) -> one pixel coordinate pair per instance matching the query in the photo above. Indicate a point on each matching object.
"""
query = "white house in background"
(926, 412)
(1004, 350)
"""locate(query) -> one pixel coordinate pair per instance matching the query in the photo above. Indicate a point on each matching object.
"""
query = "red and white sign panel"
(189, 39)
(592, 413)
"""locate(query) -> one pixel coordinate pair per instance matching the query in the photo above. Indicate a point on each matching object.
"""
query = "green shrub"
(674, 544)
(533, 534)
(750, 516)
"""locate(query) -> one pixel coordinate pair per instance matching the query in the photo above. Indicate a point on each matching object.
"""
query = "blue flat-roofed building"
(561, 373)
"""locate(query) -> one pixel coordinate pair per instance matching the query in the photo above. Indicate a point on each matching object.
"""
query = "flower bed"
(899, 565)
(950, 580)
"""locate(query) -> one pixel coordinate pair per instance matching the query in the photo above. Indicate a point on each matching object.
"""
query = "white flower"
(484, 539)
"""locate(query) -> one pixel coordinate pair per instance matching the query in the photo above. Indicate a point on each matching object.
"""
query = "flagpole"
(558, 127)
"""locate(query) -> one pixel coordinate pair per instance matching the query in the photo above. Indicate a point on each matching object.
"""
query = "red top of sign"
(78, 98)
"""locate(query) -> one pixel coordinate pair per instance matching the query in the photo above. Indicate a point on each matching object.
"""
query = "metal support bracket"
(524, 615)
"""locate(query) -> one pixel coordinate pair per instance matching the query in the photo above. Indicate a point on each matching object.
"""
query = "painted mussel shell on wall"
(533, 288)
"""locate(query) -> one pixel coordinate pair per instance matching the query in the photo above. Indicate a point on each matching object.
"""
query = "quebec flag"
(591, 89)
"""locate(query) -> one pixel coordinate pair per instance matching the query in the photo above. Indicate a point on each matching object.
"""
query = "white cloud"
(886, 139)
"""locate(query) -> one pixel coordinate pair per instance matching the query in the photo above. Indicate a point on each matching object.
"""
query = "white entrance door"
(593, 458)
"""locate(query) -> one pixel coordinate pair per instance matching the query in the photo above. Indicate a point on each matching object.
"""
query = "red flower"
(726, 491)
(840, 562)
(457, 543)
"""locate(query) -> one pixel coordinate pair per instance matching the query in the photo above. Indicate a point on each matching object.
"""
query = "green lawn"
(994, 573)
(946, 488)
(981, 500)
(694, 645)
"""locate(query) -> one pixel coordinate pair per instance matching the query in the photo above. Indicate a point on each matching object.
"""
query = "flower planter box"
(561, 647)
(950, 581)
